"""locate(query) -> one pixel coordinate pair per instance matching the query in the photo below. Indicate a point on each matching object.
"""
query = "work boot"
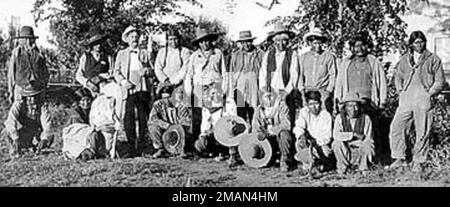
(232, 162)
(159, 154)
(417, 167)
(219, 158)
(86, 155)
(398, 163)
(43, 144)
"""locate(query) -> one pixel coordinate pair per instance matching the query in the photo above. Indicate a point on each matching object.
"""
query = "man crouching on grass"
(313, 130)
(353, 137)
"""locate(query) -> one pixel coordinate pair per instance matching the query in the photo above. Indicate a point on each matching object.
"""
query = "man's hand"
(92, 86)
(127, 84)
(262, 136)
(357, 136)
(302, 142)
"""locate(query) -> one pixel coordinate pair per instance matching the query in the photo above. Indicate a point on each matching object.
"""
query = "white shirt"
(319, 127)
(277, 78)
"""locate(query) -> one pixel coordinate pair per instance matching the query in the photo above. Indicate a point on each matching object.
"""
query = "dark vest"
(94, 67)
(359, 125)
(272, 66)
(31, 72)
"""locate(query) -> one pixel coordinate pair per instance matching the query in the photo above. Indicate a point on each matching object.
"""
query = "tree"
(344, 18)
(80, 19)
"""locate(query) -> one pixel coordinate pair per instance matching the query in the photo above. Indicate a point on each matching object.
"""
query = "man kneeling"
(353, 136)
(313, 129)
(167, 112)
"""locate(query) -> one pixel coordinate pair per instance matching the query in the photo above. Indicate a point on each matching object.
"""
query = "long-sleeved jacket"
(27, 71)
(164, 114)
(122, 68)
(379, 85)
(245, 67)
(281, 120)
(169, 63)
(18, 122)
(205, 70)
(430, 72)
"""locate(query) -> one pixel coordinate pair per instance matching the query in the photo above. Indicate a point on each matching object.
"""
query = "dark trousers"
(286, 145)
(137, 110)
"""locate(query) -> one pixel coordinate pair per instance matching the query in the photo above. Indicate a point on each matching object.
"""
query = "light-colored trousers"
(348, 154)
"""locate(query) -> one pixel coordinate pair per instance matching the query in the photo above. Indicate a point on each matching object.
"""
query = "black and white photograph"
(224, 93)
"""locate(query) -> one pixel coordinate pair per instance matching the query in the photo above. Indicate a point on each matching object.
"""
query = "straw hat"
(245, 36)
(202, 33)
(228, 129)
(352, 97)
(174, 139)
(280, 29)
(315, 32)
(255, 153)
(127, 31)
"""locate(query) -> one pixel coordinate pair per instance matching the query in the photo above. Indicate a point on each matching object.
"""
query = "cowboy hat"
(245, 36)
(26, 32)
(280, 29)
(228, 129)
(127, 31)
(202, 33)
(174, 139)
(94, 39)
(255, 153)
(350, 97)
(315, 32)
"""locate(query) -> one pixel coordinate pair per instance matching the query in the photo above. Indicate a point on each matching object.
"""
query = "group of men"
(315, 107)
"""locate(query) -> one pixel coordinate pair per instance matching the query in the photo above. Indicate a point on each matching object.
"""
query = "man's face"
(97, 47)
(247, 45)
(352, 109)
(28, 42)
(317, 45)
(85, 103)
(173, 41)
(281, 42)
(314, 106)
(177, 97)
(205, 44)
(418, 45)
(267, 100)
(133, 39)
(359, 49)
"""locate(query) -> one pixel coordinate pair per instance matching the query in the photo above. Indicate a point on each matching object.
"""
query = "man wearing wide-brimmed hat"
(93, 69)
(27, 81)
(206, 72)
(279, 68)
(244, 66)
(134, 72)
(317, 68)
(353, 136)
(166, 112)
(171, 59)
(272, 121)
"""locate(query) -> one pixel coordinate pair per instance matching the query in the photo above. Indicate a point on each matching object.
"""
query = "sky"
(246, 16)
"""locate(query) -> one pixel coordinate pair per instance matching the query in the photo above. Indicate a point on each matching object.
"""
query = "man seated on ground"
(313, 130)
(353, 136)
(79, 113)
(170, 110)
(271, 121)
(80, 139)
